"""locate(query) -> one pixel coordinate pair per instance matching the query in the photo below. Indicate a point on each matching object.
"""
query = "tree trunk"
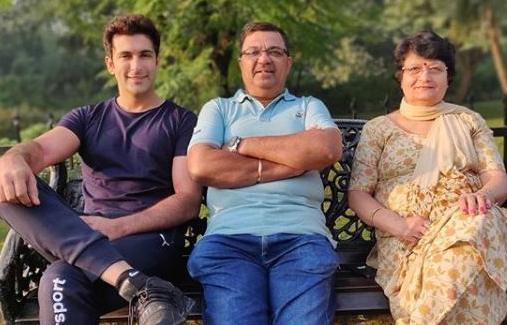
(467, 64)
(221, 58)
(494, 44)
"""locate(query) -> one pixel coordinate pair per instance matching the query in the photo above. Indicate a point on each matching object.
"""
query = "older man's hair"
(261, 26)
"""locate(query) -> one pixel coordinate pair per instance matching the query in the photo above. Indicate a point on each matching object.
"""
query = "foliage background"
(51, 58)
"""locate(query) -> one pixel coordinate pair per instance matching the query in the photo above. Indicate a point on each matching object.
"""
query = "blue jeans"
(279, 279)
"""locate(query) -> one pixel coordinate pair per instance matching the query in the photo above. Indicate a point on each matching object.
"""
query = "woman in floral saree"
(430, 179)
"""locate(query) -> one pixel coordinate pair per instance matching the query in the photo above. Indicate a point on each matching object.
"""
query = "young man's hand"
(17, 181)
(111, 228)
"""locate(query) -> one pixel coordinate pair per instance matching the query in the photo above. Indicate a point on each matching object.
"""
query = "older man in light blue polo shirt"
(267, 256)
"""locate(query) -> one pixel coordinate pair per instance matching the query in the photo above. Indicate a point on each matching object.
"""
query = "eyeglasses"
(434, 70)
(274, 52)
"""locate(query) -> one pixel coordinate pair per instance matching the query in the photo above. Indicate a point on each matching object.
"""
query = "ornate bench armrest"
(9, 263)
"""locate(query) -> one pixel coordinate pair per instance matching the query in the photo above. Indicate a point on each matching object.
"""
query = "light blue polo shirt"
(291, 206)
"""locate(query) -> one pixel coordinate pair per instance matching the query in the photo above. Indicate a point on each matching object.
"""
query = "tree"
(493, 33)
(339, 47)
(470, 24)
(200, 37)
(5, 3)
(474, 27)
(43, 66)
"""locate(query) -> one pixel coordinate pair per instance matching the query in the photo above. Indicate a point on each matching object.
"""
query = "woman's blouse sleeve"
(487, 152)
(365, 173)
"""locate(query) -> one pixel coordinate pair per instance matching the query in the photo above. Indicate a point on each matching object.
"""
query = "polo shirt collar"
(241, 95)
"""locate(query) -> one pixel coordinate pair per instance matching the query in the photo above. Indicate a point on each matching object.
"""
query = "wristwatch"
(233, 144)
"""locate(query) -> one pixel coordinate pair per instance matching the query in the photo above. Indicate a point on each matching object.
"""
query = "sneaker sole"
(189, 304)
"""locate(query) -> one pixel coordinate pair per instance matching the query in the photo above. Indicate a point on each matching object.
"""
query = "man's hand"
(19, 164)
(17, 182)
(109, 227)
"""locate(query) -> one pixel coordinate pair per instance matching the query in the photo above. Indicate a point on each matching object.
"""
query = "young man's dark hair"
(130, 25)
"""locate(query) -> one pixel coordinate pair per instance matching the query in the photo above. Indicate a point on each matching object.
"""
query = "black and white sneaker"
(158, 302)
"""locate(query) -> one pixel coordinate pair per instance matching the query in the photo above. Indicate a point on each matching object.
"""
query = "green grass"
(492, 111)
(4, 229)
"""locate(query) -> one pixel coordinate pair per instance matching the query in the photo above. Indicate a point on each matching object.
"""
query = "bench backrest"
(354, 238)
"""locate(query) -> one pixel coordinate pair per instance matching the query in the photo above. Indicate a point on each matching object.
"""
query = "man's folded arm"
(211, 166)
(312, 149)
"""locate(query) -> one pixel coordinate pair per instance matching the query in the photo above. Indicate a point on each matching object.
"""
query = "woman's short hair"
(429, 46)
(130, 25)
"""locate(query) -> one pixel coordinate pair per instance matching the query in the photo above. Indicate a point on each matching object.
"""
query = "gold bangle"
(259, 171)
(372, 215)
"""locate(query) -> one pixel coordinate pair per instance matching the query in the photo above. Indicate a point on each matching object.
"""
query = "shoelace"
(143, 296)
(140, 297)
(132, 314)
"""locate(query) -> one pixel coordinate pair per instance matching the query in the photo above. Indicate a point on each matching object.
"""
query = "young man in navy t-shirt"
(136, 189)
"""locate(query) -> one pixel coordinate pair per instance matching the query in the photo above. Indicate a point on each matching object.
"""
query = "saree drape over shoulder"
(456, 274)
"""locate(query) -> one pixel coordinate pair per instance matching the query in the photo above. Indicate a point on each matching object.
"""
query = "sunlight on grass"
(4, 229)
(492, 111)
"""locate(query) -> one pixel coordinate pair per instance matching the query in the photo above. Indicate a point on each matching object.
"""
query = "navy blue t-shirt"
(127, 157)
